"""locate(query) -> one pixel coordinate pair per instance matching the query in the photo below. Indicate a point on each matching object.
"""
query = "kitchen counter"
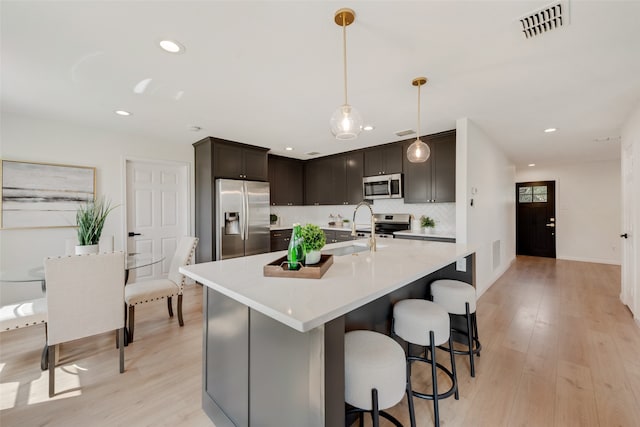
(420, 233)
(272, 343)
(324, 227)
(352, 280)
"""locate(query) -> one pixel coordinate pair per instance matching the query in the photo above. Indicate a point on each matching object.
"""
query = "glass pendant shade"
(346, 122)
(418, 152)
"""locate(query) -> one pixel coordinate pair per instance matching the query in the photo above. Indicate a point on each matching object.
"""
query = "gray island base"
(273, 349)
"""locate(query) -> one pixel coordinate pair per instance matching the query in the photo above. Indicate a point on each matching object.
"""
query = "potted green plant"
(427, 223)
(90, 219)
(313, 239)
(345, 222)
(273, 219)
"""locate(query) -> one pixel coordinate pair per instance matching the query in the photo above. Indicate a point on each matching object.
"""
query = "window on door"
(533, 194)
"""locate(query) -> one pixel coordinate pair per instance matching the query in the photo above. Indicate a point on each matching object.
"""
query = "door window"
(532, 194)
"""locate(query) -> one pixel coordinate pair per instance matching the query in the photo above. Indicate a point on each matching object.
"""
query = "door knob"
(625, 235)
(131, 234)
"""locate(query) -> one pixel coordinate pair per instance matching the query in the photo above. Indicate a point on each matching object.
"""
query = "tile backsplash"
(444, 214)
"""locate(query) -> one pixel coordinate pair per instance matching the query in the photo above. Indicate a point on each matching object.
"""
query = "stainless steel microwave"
(382, 186)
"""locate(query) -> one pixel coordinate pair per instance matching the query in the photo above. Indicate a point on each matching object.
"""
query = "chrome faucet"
(372, 238)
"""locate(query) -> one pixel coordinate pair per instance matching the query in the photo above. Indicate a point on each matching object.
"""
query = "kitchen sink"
(346, 250)
(350, 249)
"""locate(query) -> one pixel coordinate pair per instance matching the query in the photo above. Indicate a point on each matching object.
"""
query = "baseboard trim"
(592, 260)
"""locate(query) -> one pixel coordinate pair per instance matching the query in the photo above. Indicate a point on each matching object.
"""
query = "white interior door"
(157, 212)
(629, 290)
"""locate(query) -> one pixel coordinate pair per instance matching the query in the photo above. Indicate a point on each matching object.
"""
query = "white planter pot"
(312, 257)
(86, 249)
(427, 230)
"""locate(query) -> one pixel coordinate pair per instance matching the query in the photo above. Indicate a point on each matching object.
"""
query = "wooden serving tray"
(278, 268)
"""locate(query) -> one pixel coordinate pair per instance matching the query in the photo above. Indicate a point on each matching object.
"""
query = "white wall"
(486, 176)
(587, 209)
(31, 140)
(631, 140)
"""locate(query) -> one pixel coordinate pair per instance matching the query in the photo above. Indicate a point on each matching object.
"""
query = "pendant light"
(418, 152)
(346, 122)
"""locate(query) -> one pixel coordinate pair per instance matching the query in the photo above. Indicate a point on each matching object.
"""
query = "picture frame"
(43, 195)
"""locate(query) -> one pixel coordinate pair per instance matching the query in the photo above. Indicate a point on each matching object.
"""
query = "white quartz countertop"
(324, 227)
(420, 233)
(351, 282)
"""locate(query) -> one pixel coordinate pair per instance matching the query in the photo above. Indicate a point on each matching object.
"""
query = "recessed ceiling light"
(368, 127)
(549, 130)
(171, 46)
(531, 165)
(122, 113)
(289, 148)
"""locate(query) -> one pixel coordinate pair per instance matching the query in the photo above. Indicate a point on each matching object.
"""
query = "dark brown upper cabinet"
(383, 160)
(334, 180)
(238, 161)
(433, 181)
(286, 181)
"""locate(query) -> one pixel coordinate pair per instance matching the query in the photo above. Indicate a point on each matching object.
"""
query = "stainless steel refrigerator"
(242, 218)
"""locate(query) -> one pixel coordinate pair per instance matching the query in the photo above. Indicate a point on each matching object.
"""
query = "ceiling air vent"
(312, 153)
(548, 18)
(405, 132)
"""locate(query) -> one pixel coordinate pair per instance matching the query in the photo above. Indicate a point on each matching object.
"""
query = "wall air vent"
(542, 20)
(405, 132)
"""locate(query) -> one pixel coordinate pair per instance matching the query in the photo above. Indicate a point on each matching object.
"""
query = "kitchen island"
(273, 350)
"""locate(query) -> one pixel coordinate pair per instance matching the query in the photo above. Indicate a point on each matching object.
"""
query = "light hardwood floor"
(559, 349)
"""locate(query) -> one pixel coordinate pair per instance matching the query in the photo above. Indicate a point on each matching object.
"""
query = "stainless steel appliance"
(386, 224)
(242, 218)
(382, 186)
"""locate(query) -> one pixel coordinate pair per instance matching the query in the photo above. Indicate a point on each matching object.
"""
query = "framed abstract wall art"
(43, 195)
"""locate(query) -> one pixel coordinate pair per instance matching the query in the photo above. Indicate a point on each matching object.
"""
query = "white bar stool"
(426, 324)
(460, 298)
(375, 374)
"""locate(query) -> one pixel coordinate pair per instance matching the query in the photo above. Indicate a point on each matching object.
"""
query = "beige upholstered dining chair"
(151, 290)
(24, 314)
(85, 297)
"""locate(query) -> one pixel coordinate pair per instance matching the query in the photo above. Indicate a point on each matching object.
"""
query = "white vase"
(86, 249)
(312, 257)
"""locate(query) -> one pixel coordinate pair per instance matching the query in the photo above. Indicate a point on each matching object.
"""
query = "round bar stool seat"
(426, 324)
(374, 373)
(459, 298)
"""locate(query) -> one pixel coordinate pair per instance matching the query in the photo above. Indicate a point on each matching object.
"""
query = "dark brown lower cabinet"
(280, 239)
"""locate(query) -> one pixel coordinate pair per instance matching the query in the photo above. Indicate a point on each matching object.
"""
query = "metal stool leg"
(434, 380)
(470, 339)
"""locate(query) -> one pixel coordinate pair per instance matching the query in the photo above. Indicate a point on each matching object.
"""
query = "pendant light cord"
(344, 54)
(419, 85)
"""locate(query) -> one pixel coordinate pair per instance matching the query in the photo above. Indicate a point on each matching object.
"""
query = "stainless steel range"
(386, 224)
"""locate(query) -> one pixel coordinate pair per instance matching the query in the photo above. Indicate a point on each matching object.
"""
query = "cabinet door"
(318, 181)
(417, 178)
(383, 160)
(373, 162)
(338, 179)
(444, 169)
(255, 165)
(286, 179)
(354, 172)
(280, 240)
(343, 236)
(392, 158)
(330, 235)
(227, 161)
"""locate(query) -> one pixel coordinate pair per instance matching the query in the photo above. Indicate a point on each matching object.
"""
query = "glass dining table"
(36, 275)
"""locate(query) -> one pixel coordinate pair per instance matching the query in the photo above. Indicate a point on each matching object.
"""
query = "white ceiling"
(269, 73)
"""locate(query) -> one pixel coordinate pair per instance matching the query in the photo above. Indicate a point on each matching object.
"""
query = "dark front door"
(536, 218)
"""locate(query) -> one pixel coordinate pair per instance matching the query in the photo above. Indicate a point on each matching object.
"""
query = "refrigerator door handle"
(246, 215)
(243, 220)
